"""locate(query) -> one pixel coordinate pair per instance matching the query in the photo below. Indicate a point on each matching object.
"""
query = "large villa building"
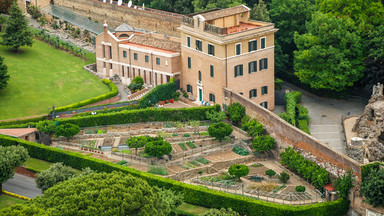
(218, 48)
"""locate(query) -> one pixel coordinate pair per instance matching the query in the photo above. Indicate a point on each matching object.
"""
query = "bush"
(286, 117)
(236, 112)
(159, 170)
(290, 107)
(240, 151)
(296, 96)
(263, 143)
(31, 121)
(134, 86)
(220, 130)
(56, 173)
(193, 194)
(303, 125)
(159, 93)
(284, 177)
(306, 168)
(270, 173)
(114, 91)
(67, 130)
(343, 184)
(302, 113)
(138, 80)
(372, 187)
(216, 117)
(300, 188)
(46, 127)
(238, 170)
(158, 148)
(34, 11)
(186, 135)
(252, 127)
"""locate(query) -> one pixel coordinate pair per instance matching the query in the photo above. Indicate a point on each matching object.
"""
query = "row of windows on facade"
(252, 46)
(252, 67)
(136, 57)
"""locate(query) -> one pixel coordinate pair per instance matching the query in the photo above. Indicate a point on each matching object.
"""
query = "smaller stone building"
(29, 134)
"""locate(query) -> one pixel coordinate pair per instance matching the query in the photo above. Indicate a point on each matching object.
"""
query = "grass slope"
(42, 76)
(37, 164)
(8, 201)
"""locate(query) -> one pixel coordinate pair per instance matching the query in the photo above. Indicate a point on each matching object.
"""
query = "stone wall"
(288, 135)
(114, 15)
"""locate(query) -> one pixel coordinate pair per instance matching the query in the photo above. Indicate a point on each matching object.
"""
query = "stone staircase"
(138, 95)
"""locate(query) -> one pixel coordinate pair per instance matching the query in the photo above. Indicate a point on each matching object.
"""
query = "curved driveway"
(22, 185)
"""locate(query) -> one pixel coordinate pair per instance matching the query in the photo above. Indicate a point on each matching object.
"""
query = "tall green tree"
(238, 170)
(67, 130)
(4, 76)
(260, 12)
(201, 5)
(220, 130)
(289, 17)
(17, 33)
(101, 194)
(372, 188)
(55, 174)
(137, 142)
(46, 127)
(10, 157)
(158, 148)
(330, 55)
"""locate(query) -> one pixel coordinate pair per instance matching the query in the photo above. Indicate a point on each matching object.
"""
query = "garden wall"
(154, 20)
(289, 135)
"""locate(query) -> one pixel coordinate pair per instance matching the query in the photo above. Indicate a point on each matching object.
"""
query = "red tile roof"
(19, 132)
(329, 187)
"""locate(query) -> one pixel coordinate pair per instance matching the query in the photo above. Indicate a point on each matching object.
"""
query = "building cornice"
(168, 55)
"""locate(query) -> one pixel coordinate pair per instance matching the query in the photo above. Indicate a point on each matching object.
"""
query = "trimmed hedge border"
(193, 194)
(16, 195)
(160, 93)
(114, 91)
(23, 121)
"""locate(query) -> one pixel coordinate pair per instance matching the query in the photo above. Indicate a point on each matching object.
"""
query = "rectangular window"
(188, 41)
(252, 67)
(189, 89)
(146, 58)
(211, 49)
(252, 45)
(158, 61)
(264, 90)
(253, 93)
(122, 70)
(125, 54)
(200, 76)
(103, 51)
(263, 64)
(238, 49)
(212, 98)
(212, 70)
(264, 104)
(262, 41)
(135, 56)
(189, 62)
(110, 52)
(199, 45)
(238, 70)
(110, 66)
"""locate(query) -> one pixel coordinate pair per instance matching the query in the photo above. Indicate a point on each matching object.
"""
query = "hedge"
(303, 125)
(23, 121)
(193, 194)
(367, 168)
(306, 168)
(109, 110)
(159, 93)
(290, 107)
(114, 91)
(141, 115)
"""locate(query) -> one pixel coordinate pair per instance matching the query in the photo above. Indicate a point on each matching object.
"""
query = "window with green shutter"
(252, 45)
(264, 90)
(252, 67)
(212, 70)
(238, 70)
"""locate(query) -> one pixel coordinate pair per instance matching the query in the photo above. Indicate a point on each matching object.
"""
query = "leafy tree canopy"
(330, 54)
(137, 142)
(47, 127)
(220, 130)
(67, 130)
(101, 194)
(372, 188)
(343, 184)
(236, 112)
(4, 76)
(260, 12)
(238, 170)
(10, 157)
(158, 148)
(55, 174)
(17, 33)
(201, 5)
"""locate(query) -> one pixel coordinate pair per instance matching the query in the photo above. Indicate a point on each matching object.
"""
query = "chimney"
(105, 27)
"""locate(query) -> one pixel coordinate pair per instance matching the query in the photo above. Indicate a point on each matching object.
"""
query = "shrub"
(286, 117)
(263, 143)
(303, 125)
(31, 121)
(372, 188)
(296, 96)
(240, 151)
(158, 148)
(112, 93)
(238, 170)
(56, 173)
(252, 127)
(302, 113)
(216, 117)
(134, 86)
(203, 160)
(270, 173)
(193, 194)
(191, 145)
(290, 107)
(306, 168)
(343, 184)
(46, 127)
(138, 80)
(67, 130)
(221, 212)
(236, 112)
(220, 130)
(300, 188)
(34, 11)
(159, 93)
(183, 146)
(186, 135)
(284, 177)
(159, 170)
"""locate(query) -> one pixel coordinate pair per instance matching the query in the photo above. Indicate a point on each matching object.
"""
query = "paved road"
(22, 185)
(326, 116)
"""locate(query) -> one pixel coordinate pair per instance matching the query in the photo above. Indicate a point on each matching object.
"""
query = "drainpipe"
(226, 67)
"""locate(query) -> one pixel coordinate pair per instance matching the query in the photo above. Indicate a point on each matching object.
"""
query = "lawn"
(40, 165)
(42, 76)
(192, 209)
(7, 201)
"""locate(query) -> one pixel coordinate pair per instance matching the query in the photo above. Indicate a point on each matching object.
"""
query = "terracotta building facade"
(217, 48)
